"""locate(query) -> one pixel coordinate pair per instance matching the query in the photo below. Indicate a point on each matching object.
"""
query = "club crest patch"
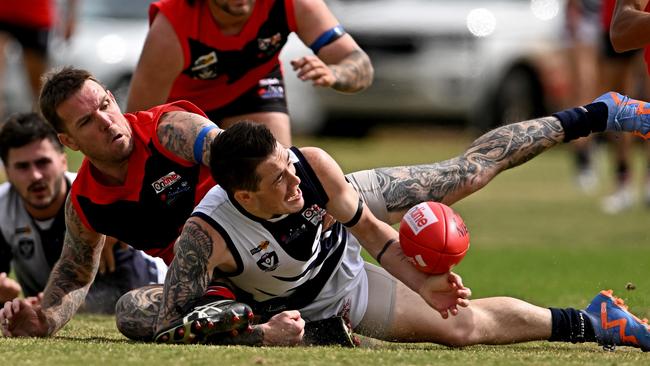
(268, 262)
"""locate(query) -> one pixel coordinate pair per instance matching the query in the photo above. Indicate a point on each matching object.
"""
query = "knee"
(135, 320)
(462, 334)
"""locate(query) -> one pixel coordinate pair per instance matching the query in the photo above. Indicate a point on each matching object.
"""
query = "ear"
(68, 141)
(243, 197)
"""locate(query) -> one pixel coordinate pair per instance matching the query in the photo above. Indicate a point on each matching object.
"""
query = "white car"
(107, 42)
(477, 62)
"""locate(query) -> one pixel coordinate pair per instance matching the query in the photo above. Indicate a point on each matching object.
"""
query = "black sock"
(581, 121)
(570, 325)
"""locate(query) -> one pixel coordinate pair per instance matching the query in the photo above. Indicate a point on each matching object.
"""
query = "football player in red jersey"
(222, 55)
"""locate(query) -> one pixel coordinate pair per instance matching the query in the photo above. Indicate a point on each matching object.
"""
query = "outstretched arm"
(67, 286)
(341, 64)
(630, 24)
(451, 180)
(443, 292)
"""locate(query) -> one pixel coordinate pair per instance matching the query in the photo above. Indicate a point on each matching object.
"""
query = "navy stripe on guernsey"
(301, 296)
(332, 248)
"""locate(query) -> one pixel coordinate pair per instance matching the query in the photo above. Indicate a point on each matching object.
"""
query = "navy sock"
(581, 121)
(570, 325)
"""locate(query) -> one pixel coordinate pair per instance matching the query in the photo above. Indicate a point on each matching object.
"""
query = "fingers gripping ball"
(434, 237)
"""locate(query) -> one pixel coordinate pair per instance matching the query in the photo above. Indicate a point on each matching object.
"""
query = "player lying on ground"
(177, 136)
(263, 228)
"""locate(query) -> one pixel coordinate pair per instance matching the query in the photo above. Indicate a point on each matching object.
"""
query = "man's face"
(278, 191)
(235, 8)
(95, 125)
(36, 171)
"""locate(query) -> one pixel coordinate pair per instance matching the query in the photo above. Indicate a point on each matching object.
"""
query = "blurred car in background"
(469, 62)
(107, 42)
(475, 62)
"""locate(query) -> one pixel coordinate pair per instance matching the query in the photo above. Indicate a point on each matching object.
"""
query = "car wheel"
(518, 97)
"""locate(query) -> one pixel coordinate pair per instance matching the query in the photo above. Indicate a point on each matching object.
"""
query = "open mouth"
(117, 137)
(296, 196)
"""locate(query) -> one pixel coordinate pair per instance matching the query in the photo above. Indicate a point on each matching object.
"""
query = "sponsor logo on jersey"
(174, 193)
(23, 230)
(294, 233)
(204, 67)
(268, 45)
(314, 214)
(271, 92)
(165, 182)
(262, 246)
(268, 262)
(419, 217)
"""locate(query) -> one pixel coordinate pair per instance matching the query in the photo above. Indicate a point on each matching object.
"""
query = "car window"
(115, 8)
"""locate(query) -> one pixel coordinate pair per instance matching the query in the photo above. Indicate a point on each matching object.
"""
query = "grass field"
(534, 236)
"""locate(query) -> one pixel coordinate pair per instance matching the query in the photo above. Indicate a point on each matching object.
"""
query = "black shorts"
(267, 96)
(30, 38)
(609, 53)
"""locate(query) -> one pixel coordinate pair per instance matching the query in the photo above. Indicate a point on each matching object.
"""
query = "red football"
(434, 237)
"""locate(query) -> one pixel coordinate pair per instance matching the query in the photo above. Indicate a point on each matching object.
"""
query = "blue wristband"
(327, 37)
(198, 143)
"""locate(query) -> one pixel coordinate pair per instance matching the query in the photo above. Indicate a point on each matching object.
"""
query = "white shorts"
(381, 303)
(365, 182)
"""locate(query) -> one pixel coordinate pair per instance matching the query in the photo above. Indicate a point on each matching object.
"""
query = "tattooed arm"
(178, 131)
(451, 180)
(67, 286)
(190, 271)
(341, 64)
(198, 251)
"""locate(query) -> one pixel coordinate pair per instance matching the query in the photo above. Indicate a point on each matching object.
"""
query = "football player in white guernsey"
(264, 227)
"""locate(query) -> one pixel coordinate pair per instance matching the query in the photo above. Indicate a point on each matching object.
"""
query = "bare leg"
(495, 320)
(36, 65)
(451, 180)
(136, 312)
(277, 122)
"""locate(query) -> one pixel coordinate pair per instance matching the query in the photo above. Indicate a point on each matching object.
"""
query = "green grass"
(534, 236)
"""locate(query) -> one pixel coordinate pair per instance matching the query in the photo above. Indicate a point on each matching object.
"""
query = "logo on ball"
(434, 237)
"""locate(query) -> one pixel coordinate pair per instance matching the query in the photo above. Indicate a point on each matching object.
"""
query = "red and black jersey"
(148, 211)
(218, 68)
(28, 13)
(646, 50)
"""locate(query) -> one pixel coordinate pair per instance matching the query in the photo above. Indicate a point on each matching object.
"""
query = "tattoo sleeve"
(178, 131)
(188, 276)
(73, 274)
(354, 73)
(451, 180)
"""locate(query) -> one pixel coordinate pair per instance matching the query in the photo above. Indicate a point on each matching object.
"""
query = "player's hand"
(35, 300)
(19, 318)
(445, 293)
(314, 69)
(284, 329)
(9, 288)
